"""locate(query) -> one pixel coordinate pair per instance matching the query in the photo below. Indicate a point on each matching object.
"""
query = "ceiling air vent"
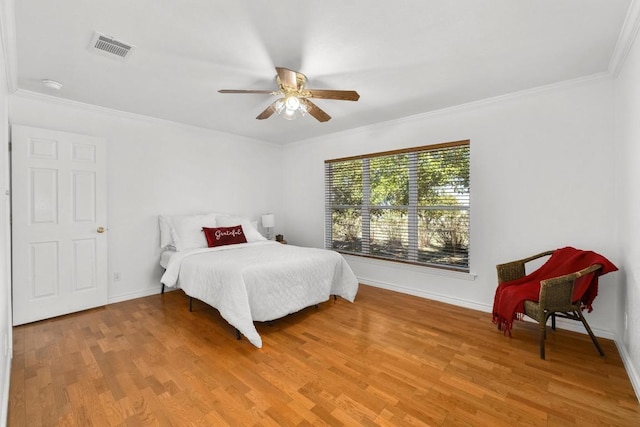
(108, 46)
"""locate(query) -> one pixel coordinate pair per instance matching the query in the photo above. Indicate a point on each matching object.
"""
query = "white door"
(59, 246)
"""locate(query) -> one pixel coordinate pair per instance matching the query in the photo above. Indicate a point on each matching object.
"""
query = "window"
(407, 205)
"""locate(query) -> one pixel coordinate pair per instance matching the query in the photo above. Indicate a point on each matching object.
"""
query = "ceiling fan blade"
(342, 95)
(267, 112)
(287, 78)
(315, 111)
(266, 92)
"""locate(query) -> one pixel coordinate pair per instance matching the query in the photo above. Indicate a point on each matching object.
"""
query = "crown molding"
(8, 40)
(54, 100)
(626, 38)
(21, 93)
(469, 106)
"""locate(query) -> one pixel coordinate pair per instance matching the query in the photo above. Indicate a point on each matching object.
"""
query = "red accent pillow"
(224, 236)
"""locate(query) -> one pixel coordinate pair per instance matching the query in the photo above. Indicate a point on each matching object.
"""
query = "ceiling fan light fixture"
(290, 107)
(292, 103)
(288, 114)
(303, 110)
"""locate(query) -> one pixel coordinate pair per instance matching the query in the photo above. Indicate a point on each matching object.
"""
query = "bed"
(260, 280)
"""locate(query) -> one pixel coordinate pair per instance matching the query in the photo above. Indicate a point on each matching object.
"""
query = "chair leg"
(553, 321)
(543, 336)
(593, 337)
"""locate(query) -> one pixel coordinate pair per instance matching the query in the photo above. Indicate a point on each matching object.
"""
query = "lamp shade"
(268, 220)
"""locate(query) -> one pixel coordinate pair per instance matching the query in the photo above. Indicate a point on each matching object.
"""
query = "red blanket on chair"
(508, 304)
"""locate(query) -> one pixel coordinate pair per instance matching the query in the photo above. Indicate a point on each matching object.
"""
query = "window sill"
(411, 267)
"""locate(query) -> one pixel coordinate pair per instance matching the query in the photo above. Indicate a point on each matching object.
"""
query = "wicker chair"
(555, 297)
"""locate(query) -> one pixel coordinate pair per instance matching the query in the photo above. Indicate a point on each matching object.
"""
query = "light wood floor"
(388, 359)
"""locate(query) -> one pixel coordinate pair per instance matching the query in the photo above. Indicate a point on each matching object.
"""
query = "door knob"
(100, 230)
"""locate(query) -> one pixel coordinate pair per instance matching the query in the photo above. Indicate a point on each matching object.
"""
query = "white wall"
(542, 174)
(156, 167)
(5, 268)
(627, 89)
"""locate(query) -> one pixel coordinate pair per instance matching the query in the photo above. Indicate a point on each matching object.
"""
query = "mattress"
(260, 281)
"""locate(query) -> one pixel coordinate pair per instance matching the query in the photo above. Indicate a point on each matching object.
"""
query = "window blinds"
(407, 205)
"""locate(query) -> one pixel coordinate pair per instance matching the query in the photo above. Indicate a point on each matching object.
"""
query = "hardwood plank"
(388, 359)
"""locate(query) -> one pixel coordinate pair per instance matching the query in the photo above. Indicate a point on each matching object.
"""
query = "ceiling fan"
(294, 100)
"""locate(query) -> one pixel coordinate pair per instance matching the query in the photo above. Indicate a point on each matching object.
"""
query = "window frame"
(412, 208)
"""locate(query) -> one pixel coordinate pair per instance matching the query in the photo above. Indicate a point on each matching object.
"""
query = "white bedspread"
(260, 281)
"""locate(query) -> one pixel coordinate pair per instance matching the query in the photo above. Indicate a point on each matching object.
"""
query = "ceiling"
(404, 58)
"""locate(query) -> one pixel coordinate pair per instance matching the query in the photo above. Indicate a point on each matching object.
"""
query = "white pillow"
(187, 230)
(250, 232)
(166, 239)
(166, 225)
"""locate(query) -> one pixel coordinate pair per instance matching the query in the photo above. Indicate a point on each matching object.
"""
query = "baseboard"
(424, 294)
(572, 325)
(137, 294)
(569, 325)
(628, 366)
